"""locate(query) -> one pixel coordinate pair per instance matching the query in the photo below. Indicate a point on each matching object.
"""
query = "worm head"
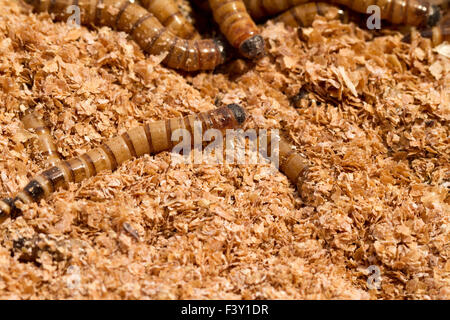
(253, 47)
(238, 112)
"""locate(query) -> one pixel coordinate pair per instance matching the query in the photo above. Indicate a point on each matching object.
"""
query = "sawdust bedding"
(376, 195)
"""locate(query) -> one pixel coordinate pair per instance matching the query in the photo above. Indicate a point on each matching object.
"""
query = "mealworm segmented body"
(303, 15)
(238, 27)
(167, 12)
(144, 28)
(409, 12)
(35, 124)
(405, 12)
(150, 138)
(291, 163)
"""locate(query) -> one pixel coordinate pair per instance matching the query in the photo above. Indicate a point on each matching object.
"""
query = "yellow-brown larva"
(404, 12)
(437, 34)
(290, 161)
(144, 28)
(34, 123)
(408, 12)
(303, 15)
(167, 12)
(238, 27)
(150, 138)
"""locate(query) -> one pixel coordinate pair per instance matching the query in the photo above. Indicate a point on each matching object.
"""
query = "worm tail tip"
(8, 207)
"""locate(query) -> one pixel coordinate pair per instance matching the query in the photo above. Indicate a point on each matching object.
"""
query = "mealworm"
(144, 28)
(167, 12)
(291, 163)
(409, 12)
(150, 138)
(303, 15)
(32, 122)
(238, 27)
(437, 34)
(406, 12)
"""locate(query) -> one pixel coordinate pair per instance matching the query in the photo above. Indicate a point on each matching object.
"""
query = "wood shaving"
(376, 195)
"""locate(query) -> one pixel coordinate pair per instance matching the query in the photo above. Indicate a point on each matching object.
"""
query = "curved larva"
(303, 15)
(47, 147)
(408, 12)
(167, 12)
(150, 138)
(144, 28)
(238, 27)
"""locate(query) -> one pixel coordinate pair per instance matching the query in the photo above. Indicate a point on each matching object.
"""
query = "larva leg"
(303, 15)
(144, 28)
(167, 12)
(34, 123)
(437, 34)
(238, 27)
(150, 138)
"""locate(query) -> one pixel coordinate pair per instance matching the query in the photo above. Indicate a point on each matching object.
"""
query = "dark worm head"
(434, 16)
(238, 112)
(253, 47)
